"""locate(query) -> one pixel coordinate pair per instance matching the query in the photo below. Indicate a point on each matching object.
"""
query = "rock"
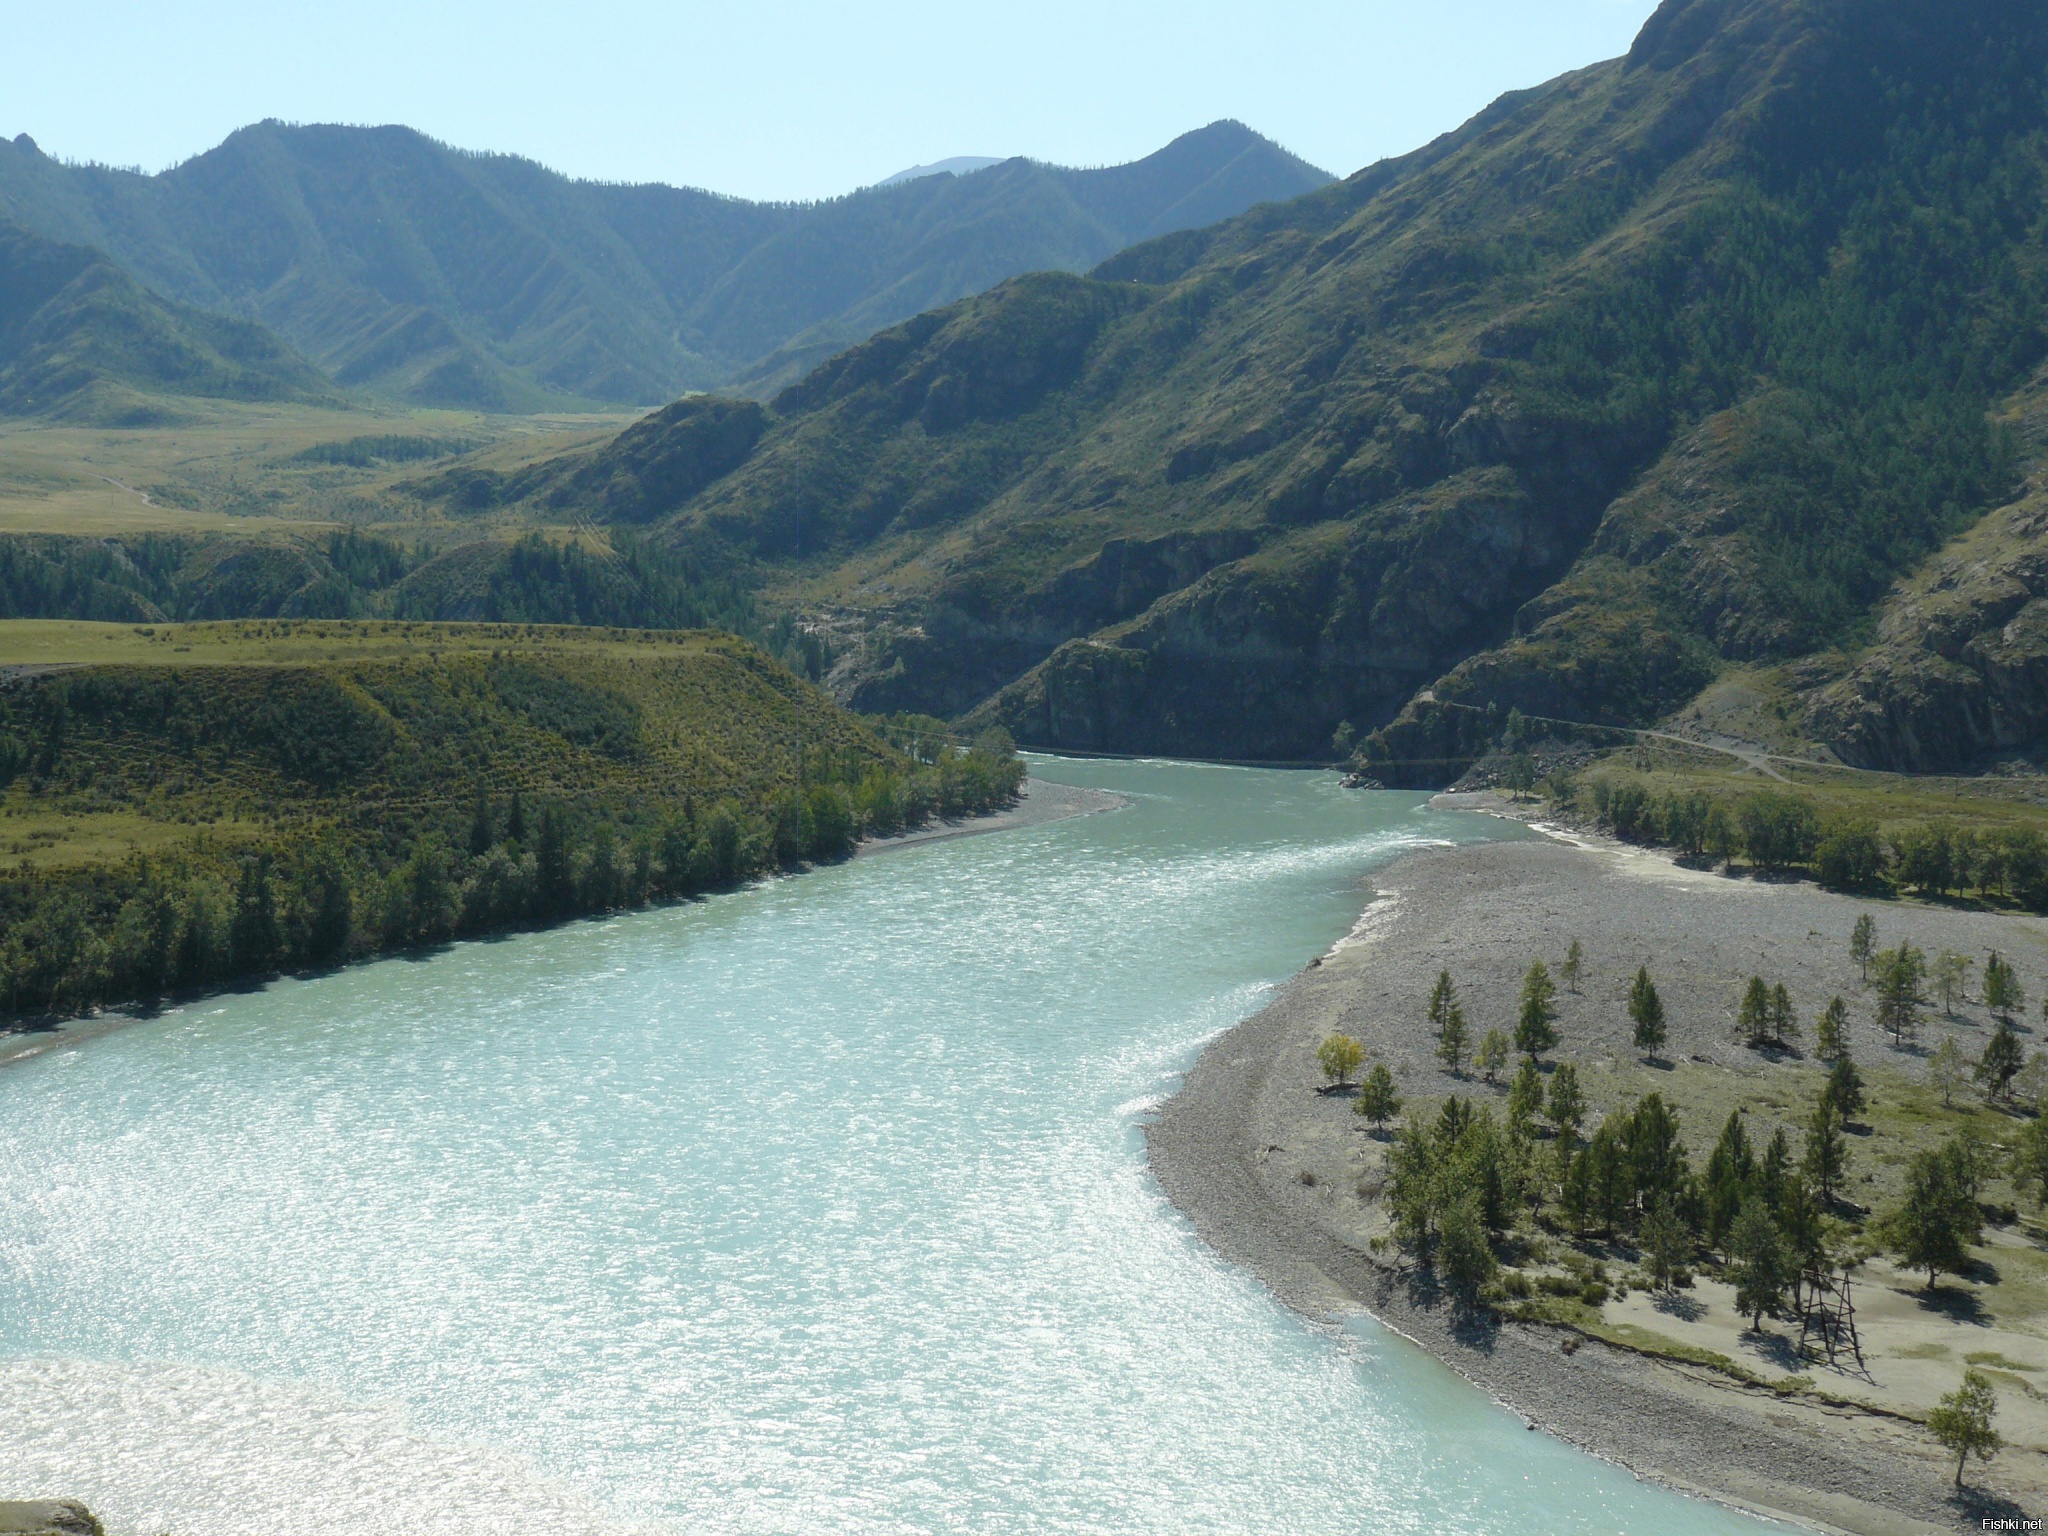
(48, 1517)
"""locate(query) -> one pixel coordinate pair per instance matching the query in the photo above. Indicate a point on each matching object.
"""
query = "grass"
(228, 466)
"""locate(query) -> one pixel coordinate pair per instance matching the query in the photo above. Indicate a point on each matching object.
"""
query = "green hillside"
(180, 805)
(437, 276)
(1673, 364)
(80, 338)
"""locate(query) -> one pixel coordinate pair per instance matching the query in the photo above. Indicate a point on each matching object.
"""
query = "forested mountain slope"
(1678, 360)
(79, 337)
(443, 277)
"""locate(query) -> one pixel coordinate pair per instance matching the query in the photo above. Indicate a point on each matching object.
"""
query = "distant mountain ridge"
(81, 338)
(1677, 363)
(443, 277)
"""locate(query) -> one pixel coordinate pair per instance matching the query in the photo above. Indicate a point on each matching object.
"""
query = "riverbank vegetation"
(194, 805)
(1775, 1196)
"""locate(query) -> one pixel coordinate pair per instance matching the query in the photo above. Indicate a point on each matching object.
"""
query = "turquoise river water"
(817, 1207)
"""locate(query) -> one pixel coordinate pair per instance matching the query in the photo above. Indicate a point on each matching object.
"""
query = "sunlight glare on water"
(817, 1207)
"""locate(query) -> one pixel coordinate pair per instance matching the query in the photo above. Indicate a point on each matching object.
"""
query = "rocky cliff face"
(1958, 672)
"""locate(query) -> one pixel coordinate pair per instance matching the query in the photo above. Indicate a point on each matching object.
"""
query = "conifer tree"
(1493, 1054)
(1729, 1171)
(1574, 963)
(1753, 1017)
(1646, 1008)
(480, 838)
(1449, 1020)
(1900, 971)
(1831, 1034)
(1378, 1099)
(1536, 1028)
(1758, 1252)
(1845, 1088)
(1525, 1096)
(1938, 1220)
(2003, 994)
(1784, 1022)
(1826, 1159)
(2003, 1057)
(1665, 1241)
(1951, 978)
(1567, 1107)
(1862, 943)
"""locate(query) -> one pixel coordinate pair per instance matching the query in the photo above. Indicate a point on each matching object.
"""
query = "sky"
(784, 100)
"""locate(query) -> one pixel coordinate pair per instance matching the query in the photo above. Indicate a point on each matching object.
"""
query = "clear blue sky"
(784, 100)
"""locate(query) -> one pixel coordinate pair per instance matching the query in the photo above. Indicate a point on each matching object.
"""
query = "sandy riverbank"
(1233, 1147)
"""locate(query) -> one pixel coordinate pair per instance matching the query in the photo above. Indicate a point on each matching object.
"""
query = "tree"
(1656, 1156)
(1464, 1257)
(1845, 1088)
(1449, 1019)
(1339, 1056)
(1493, 1054)
(1753, 1016)
(1758, 1252)
(1900, 971)
(255, 939)
(1665, 1242)
(1777, 829)
(1850, 857)
(1831, 1033)
(1938, 1220)
(556, 878)
(1951, 979)
(2003, 1057)
(1525, 1096)
(1962, 1422)
(1826, 1159)
(1536, 1029)
(2003, 994)
(1946, 1070)
(1646, 1008)
(1784, 1022)
(515, 819)
(1730, 1168)
(1862, 942)
(1378, 1099)
(1574, 963)
(1567, 1108)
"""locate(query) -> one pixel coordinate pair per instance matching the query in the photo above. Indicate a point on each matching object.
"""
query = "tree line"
(219, 911)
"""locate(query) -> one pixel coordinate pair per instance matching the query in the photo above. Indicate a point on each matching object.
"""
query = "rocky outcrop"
(48, 1517)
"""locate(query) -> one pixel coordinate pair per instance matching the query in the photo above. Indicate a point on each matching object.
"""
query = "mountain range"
(431, 275)
(1694, 359)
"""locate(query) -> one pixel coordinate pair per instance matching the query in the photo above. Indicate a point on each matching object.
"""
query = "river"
(816, 1207)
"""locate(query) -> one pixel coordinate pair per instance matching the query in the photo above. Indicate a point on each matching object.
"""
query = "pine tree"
(1493, 1054)
(1758, 1253)
(1378, 1099)
(1574, 963)
(1753, 1018)
(1665, 1242)
(2003, 1057)
(1845, 1088)
(1826, 1159)
(1831, 1034)
(1567, 1107)
(515, 820)
(2003, 994)
(1900, 971)
(1525, 1096)
(1449, 1019)
(1730, 1169)
(1536, 1029)
(1784, 1022)
(1938, 1219)
(1862, 943)
(1951, 978)
(1656, 1154)
(1646, 1008)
